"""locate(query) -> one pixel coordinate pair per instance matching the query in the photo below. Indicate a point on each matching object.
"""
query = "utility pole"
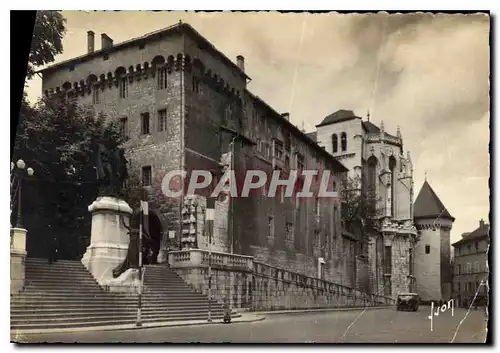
(210, 213)
(143, 210)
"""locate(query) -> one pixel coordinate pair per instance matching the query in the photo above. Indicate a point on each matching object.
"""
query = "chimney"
(106, 42)
(240, 61)
(286, 116)
(90, 42)
(481, 224)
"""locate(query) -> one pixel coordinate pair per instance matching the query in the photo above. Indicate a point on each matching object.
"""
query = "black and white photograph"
(252, 177)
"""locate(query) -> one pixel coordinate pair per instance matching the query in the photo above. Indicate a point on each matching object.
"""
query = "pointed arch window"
(343, 141)
(392, 168)
(335, 143)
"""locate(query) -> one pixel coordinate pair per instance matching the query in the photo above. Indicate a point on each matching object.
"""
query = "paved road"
(370, 326)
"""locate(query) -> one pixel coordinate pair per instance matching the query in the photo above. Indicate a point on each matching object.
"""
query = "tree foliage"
(46, 42)
(360, 206)
(58, 139)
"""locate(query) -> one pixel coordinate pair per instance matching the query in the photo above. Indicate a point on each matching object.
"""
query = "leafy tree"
(58, 139)
(46, 43)
(361, 209)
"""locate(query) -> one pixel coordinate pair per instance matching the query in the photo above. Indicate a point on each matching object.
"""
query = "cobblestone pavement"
(370, 326)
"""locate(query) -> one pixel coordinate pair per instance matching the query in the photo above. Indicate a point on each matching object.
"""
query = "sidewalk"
(245, 317)
(323, 310)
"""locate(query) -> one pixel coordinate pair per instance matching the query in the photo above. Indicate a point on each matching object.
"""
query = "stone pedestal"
(17, 259)
(109, 238)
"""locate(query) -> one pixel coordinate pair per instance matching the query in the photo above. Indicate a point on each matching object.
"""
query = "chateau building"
(432, 253)
(470, 266)
(183, 106)
(376, 159)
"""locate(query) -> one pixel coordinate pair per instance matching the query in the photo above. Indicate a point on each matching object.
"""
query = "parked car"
(408, 301)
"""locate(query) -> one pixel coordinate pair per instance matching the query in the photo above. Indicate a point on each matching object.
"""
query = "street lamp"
(18, 169)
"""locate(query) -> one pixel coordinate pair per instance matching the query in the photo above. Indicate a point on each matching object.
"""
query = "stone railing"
(201, 258)
(317, 286)
(252, 285)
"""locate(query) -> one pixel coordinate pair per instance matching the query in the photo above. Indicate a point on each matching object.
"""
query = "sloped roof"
(370, 127)
(338, 116)
(428, 204)
(312, 136)
(481, 232)
(188, 29)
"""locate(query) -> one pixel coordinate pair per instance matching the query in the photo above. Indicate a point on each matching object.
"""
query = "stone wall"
(251, 285)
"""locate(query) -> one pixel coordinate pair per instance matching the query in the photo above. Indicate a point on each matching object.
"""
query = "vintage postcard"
(252, 177)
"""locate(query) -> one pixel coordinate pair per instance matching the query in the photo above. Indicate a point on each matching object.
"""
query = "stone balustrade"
(252, 285)
(200, 258)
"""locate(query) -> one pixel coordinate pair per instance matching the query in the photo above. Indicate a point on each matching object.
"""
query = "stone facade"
(212, 122)
(432, 253)
(471, 266)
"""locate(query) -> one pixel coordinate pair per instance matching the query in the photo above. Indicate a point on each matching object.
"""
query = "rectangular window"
(287, 162)
(196, 85)
(278, 149)
(289, 232)
(145, 123)
(124, 127)
(316, 239)
(123, 87)
(458, 287)
(458, 269)
(146, 176)
(300, 162)
(476, 267)
(457, 251)
(270, 233)
(95, 95)
(388, 260)
(477, 246)
(162, 120)
(427, 249)
(467, 269)
(162, 78)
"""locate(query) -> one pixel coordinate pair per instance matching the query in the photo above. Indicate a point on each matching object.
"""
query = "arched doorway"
(150, 246)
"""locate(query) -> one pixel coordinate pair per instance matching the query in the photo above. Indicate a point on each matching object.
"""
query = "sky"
(428, 74)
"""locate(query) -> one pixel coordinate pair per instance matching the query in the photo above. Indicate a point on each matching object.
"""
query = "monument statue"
(111, 168)
(132, 258)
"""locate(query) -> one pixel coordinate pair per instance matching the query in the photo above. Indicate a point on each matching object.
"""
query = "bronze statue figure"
(111, 168)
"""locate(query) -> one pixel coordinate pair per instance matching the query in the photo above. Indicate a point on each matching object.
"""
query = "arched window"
(335, 143)
(371, 175)
(343, 141)
(392, 168)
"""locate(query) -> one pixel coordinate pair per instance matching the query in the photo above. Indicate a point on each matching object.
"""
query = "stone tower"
(432, 254)
(385, 172)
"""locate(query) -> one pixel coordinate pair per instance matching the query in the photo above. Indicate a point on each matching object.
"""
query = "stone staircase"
(66, 295)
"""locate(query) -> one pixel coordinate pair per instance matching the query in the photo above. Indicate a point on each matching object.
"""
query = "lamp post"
(17, 171)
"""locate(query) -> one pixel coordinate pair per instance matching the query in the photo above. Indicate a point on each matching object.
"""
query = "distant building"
(470, 266)
(378, 160)
(432, 253)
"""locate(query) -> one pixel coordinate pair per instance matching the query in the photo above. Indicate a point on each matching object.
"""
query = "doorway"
(151, 246)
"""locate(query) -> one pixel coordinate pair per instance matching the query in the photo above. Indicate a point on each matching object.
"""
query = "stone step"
(47, 313)
(83, 300)
(71, 320)
(70, 290)
(55, 325)
(77, 306)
